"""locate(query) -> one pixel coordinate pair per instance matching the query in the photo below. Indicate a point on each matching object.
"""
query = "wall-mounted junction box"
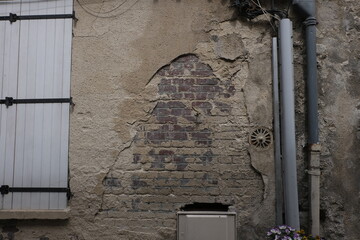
(206, 226)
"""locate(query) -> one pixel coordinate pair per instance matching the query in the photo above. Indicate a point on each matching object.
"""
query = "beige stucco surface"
(124, 51)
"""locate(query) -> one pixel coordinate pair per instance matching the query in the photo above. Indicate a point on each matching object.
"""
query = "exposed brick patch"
(190, 147)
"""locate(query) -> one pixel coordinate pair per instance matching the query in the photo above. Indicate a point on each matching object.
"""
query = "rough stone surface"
(166, 93)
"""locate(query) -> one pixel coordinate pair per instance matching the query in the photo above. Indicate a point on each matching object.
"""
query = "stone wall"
(167, 93)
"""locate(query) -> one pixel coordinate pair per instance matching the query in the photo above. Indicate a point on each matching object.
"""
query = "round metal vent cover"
(261, 138)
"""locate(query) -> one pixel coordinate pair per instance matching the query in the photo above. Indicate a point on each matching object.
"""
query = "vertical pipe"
(276, 104)
(313, 133)
(288, 124)
(311, 79)
(307, 10)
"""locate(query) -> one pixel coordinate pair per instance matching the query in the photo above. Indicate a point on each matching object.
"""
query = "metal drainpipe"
(288, 142)
(307, 9)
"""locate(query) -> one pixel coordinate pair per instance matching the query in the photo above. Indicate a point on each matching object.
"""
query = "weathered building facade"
(166, 96)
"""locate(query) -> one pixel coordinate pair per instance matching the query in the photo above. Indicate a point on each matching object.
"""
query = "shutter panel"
(40, 148)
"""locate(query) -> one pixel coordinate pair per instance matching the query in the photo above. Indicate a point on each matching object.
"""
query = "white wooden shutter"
(35, 62)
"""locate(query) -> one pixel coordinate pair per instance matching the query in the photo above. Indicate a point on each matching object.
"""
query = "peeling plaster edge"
(168, 64)
(62, 214)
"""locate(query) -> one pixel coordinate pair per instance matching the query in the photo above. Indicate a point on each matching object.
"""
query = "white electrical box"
(206, 226)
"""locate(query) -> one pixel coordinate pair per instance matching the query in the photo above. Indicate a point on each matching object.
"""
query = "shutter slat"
(2, 110)
(49, 85)
(27, 66)
(57, 91)
(40, 109)
(36, 198)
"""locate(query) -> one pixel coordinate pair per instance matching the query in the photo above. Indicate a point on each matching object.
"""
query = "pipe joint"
(310, 21)
(314, 172)
(314, 147)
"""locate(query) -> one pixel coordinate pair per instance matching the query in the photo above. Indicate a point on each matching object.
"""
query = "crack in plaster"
(264, 178)
(129, 145)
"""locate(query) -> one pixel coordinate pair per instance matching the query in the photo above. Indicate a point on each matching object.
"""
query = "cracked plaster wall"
(119, 52)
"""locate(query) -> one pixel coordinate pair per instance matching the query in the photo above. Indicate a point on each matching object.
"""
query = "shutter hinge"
(5, 189)
(13, 17)
(9, 101)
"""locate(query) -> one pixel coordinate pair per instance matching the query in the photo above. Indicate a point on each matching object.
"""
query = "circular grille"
(260, 138)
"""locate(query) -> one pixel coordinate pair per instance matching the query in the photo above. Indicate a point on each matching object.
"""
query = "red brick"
(177, 81)
(189, 81)
(202, 105)
(167, 89)
(208, 88)
(156, 136)
(189, 96)
(226, 95)
(179, 136)
(202, 135)
(196, 89)
(177, 111)
(207, 81)
(162, 112)
(136, 158)
(201, 96)
(162, 105)
(165, 81)
(184, 88)
(176, 96)
(166, 152)
(175, 72)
